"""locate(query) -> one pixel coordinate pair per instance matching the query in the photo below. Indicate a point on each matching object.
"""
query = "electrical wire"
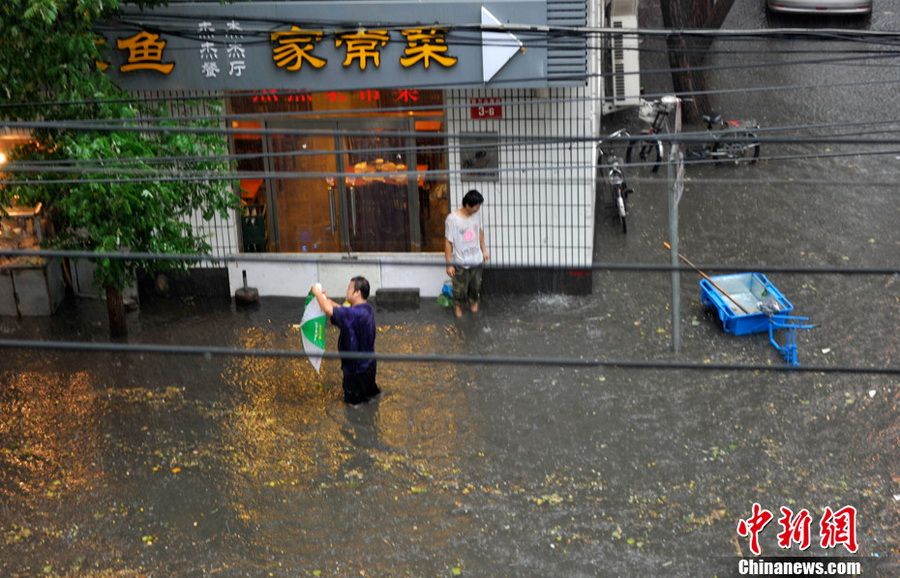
(683, 137)
(426, 148)
(217, 95)
(505, 360)
(445, 107)
(68, 165)
(355, 259)
(518, 361)
(645, 72)
(127, 176)
(441, 85)
(144, 18)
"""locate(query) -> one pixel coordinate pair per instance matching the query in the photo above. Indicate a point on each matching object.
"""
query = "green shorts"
(467, 285)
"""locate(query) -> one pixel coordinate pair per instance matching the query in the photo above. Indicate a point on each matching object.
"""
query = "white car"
(820, 6)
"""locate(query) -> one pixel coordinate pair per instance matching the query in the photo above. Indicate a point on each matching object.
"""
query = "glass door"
(307, 217)
(359, 196)
(379, 195)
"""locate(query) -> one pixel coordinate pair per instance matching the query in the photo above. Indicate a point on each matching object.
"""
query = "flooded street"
(134, 465)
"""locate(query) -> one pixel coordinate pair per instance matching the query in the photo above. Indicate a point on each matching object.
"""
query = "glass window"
(376, 165)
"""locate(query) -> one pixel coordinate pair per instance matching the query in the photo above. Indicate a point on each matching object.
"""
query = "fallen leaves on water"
(707, 520)
(553, 499)
(148, 539)
(418, 489)
(354, 474)
(17, 534)
(456, 571)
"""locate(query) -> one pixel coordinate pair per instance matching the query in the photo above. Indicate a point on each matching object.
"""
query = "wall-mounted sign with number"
(483, 108)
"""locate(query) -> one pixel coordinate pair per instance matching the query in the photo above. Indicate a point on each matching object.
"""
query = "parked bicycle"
(610, 167)
(732, 140)
(655, 114)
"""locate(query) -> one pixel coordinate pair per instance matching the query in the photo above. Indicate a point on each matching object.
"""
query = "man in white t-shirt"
(465, 252)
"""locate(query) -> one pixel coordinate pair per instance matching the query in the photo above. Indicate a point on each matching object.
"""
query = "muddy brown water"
(127, 465)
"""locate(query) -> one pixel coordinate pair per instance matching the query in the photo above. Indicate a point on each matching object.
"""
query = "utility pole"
(675, 182)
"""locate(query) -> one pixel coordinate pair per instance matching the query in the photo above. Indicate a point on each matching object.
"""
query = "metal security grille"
(221, 234)
(539, 212)
(567, 53)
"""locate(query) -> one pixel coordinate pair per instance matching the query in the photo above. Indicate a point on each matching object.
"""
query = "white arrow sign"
(497, 48)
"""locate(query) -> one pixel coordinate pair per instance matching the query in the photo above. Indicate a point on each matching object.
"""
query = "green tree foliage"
(49, 51)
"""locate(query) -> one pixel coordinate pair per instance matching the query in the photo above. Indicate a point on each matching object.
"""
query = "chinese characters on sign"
(293, 48)
(209, 54)
(145, 52)
(423, 45)
(406, 95)
(362, 45)
(834, 528)
(235, 52)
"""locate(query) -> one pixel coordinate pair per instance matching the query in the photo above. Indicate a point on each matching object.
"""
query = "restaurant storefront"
(390, 149)
(354, 142)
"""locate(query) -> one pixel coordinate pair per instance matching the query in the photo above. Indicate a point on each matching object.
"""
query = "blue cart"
(749, 303)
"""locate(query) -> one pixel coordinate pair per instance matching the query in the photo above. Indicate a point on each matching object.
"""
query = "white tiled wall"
(294, 279)
(538, 212)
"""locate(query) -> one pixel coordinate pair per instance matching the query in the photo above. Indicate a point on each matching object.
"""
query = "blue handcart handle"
(790, 323)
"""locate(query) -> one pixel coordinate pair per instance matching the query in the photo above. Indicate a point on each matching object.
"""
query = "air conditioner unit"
(624, 88)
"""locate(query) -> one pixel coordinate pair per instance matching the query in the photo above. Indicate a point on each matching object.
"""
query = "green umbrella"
(312, 331)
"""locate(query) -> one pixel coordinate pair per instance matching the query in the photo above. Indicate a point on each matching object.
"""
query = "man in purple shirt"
(357, 325)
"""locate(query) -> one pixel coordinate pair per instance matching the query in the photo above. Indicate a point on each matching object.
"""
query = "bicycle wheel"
(744, 150)
(629, 150)
(621, 209)
(659, 155)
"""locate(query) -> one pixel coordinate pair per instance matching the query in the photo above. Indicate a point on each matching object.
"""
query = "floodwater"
(132, 465)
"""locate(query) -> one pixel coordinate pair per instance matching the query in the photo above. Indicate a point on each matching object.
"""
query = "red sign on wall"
(486, 108)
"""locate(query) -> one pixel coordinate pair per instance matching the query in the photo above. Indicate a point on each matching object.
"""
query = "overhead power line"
(356, 259)
(700, 136)
(827, 34)
(220, 94)
(517, 361)
(504, 84)
(130, 176)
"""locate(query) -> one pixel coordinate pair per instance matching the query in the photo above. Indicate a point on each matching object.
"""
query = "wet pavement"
(132, 465)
